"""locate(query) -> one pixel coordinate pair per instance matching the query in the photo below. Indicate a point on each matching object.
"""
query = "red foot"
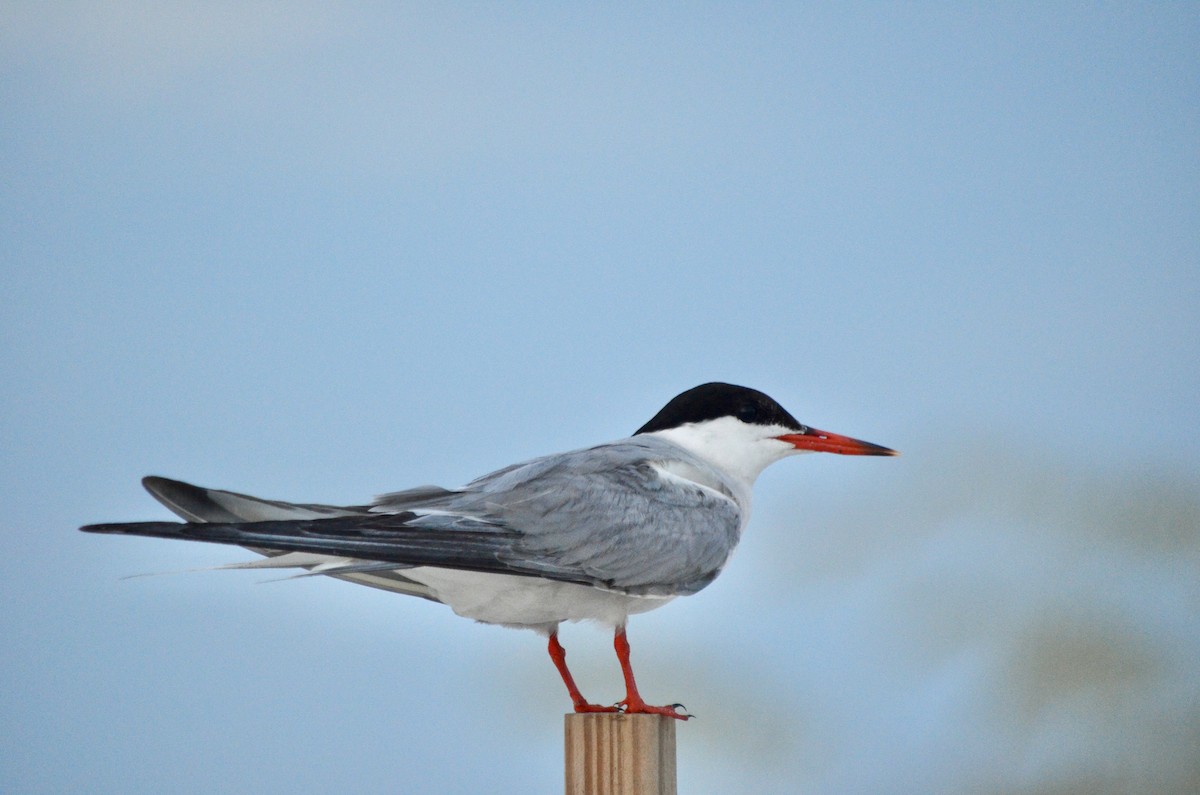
(633, 703)
(559, 656)
(639, 707)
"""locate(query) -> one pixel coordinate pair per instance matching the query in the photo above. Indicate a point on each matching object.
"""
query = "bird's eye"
(748, 413)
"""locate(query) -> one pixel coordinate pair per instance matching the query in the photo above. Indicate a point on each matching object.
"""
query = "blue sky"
(320, 253)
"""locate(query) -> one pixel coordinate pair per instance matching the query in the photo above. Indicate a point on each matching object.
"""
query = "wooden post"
(614, 754)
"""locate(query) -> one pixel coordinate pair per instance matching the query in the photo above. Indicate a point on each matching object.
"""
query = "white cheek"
(743, 451)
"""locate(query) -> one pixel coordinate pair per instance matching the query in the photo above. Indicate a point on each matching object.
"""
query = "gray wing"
(199, 504)
(606, 516)
(613, 516)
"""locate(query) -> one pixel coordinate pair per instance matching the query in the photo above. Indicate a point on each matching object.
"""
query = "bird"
(594, 534)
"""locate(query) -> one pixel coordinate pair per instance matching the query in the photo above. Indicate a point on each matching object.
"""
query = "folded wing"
(609, 517)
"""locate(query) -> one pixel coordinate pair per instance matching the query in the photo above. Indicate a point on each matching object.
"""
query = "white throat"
(739, 449)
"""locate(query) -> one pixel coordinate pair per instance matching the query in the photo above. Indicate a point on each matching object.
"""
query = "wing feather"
(608, 516)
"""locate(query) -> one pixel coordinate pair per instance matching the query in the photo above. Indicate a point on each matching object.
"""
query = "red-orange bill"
(826, 442)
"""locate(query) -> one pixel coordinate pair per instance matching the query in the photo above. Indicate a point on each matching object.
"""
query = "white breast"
(529, 602)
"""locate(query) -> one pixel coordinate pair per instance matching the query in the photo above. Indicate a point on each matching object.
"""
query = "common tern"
(594, 534)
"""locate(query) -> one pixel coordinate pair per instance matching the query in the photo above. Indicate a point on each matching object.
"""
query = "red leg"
(559, 656)
(633, 701)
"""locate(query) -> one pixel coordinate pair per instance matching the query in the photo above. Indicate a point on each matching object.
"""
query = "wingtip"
(99, 528)
(156, 483)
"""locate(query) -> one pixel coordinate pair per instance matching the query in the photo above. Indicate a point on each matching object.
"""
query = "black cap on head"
(714, 400)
